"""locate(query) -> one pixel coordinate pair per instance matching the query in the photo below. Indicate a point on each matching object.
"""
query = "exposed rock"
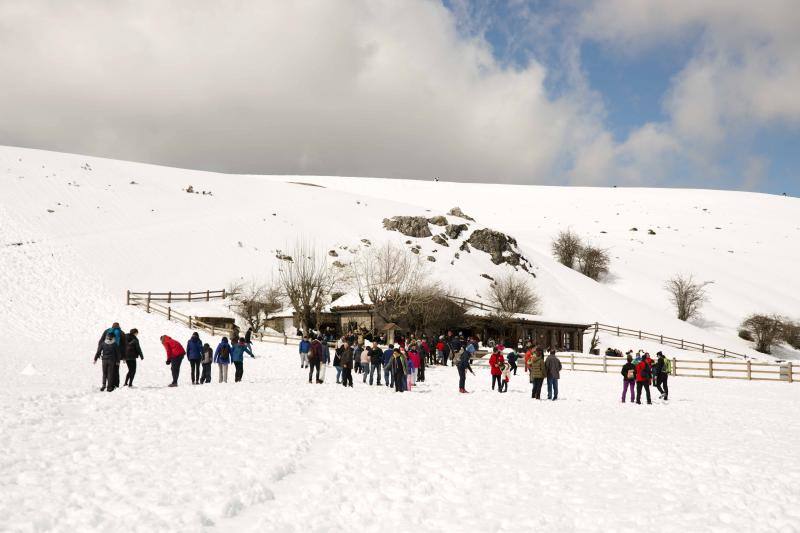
(454, 230)
(651, 232)
(438, 220)
(411, 226)
(441, 240)
(487, 276)
(465, 247)
(190, 189)
(499, 245)
(366, 242)
(457, 212)
(431, 259)
(333, 253)
(283, 257)
(338, 264)
(408, 242)
(415, 250)
(634, 229)
(457, 256)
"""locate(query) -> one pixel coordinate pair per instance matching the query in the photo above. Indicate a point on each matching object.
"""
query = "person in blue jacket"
(222, 356)
(121, 340)
(237, 358)
(194, 353)
(304, 348)
(388, 376)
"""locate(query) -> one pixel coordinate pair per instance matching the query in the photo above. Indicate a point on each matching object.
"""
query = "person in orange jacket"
(175, 353)
(644, 373)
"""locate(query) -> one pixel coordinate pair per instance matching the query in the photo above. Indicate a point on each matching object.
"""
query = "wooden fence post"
(662, 338)
(572, 361)
(605, 365)
(128, 299)
(148, 304)
(789, 365)
(703, 348)
(190, 296)
(208, 295)
(711, 368)
(749, 372)
(213, 333)
(640, 334)
(617, 331)
(681, 344)
(285, 340)
(674, 367)
(169, 313)
(169, 297)
(190, 321)
(724, 352)
(223, 294)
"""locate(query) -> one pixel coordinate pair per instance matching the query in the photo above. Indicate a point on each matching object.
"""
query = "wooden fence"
(169, 297)
(692, 368)
(666, 341)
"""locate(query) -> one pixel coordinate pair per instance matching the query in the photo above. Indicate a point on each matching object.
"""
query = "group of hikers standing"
(639, 370)
(116, 346)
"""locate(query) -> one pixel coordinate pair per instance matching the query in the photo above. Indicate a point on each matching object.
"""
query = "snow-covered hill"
(96, 227)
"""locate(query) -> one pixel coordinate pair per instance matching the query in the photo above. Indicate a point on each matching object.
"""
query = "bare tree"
(687, 295)
(791, 334)
(567, 247)
(512, 293)
(392, 278)
(253, 301)
(307, 282)
(765, 330)
(434, 311)
(593, 262)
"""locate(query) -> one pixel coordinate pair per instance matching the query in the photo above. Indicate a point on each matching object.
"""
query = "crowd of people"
(400, 365)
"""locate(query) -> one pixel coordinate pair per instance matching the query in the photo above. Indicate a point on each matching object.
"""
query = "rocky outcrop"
(440, 240)
(438, 220)
(457, 212)
(454, 231)
(410, 226)
(465, 247)
(500, 246)
(431, 259)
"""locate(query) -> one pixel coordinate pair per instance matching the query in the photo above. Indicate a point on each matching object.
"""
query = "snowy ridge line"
(681, 344)
(689, 368)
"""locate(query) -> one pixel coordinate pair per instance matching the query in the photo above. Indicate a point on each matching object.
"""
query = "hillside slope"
(91, 228)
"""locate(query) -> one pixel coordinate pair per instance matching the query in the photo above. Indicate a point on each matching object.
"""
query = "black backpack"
(224, 353)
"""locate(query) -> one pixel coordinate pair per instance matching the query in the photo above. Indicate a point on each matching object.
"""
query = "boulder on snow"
(441, 240)
(333, 253)
(438, 220)
(487, 276)
(431, 259)
(410, 226)
(457, 212)
(465, 247)
(454, 230)
(415, 250)
(499, 245)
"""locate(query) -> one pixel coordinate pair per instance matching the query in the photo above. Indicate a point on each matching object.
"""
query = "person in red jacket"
(496, 363)
(644, 373)
(175, 353)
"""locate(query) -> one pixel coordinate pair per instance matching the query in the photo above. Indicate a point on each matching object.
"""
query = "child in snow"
(208, 356)
(506, 377)
(222, 356)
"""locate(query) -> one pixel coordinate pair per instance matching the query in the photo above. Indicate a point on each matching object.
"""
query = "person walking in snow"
(496, 363)
(463, 364)
(304, 348)
(644, 373)
(512, 361)
(121, 341)
(175, 353)
(364, 359)
(208, 357)
(375, 362)
(108, 353)
(248, 338)
(441, 356)
(537, 372)
(386, 361)
(337, 362)
(237, 358)
(194, 353)
(662, 370)
(628, 377)
(506, 377)
(552, 366)
(132, 351)
(314, 359)
(222, 356)
(399, 368)
(347, 365)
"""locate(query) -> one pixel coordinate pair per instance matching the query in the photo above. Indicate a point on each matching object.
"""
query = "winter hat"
(109, 335)
(134, 331)
(659, 354)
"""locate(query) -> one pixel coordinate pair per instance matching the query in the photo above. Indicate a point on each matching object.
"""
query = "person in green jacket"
(537, 373)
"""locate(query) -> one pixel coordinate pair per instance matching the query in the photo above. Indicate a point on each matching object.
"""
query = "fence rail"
(169, 296)
(667, 341)
(692, 368)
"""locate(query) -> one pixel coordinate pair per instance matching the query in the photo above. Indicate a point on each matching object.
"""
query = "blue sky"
(633, 87)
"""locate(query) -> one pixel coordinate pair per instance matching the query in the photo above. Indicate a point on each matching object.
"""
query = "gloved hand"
(141, 357)
(167, 361)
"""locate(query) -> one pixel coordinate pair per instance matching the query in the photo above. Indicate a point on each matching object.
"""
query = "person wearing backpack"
(175, 353)
(121, 341)
(237, 358)
(628, 377)
(132, 351)
(208, 356)
(552, 366)
(194, 352)
(662, 369)
(314, 359)
(644, 373)
(108, 352)
(537, 372)
(222, 356)
(463, 364)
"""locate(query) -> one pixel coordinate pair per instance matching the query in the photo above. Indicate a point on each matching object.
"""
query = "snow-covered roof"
(525, 317)
(350, 299)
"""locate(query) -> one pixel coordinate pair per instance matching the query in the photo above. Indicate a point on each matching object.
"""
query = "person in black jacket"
(108, 351)
(346, 359)
(132, 351)
(376, 362)
(628, 377)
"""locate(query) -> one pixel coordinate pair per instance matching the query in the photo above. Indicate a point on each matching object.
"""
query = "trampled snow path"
(277, 454)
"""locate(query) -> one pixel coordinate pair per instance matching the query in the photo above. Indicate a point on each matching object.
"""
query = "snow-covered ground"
(277, 454)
